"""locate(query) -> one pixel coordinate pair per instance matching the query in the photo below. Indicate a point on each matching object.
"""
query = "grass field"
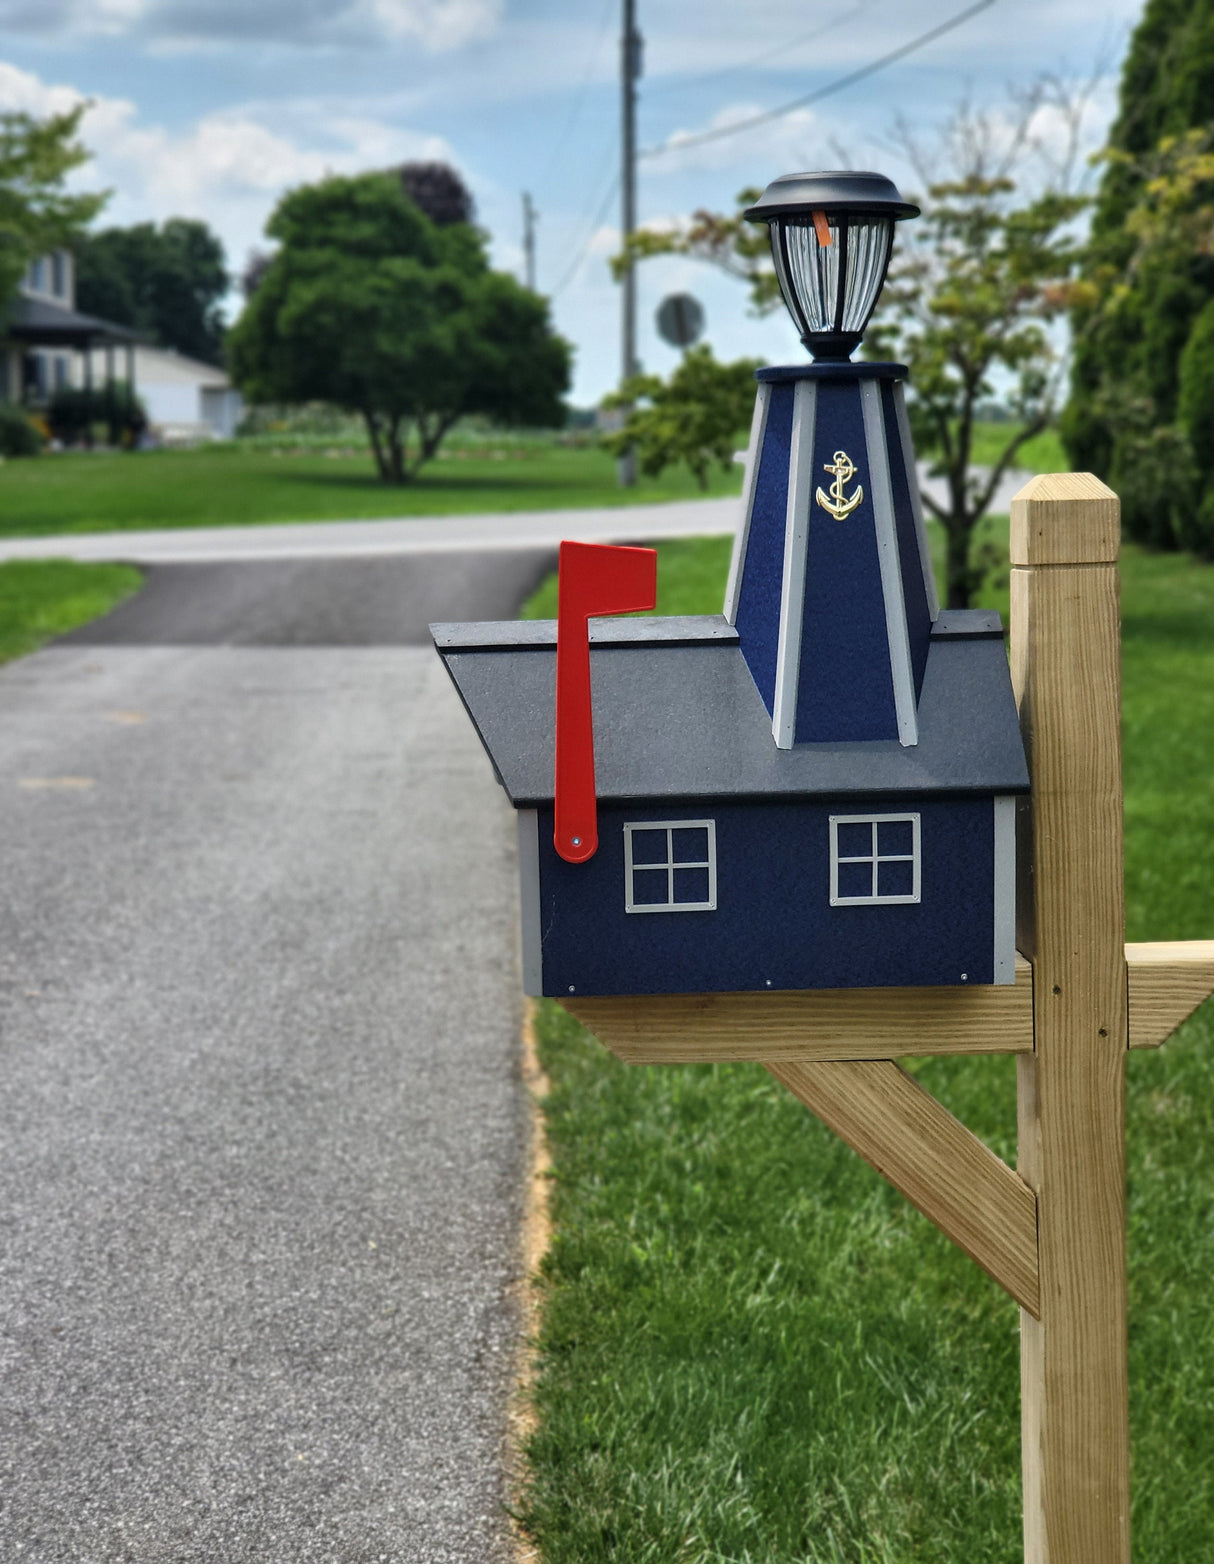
(235, 485)
(753, 1350)
(42, 598)
(1043, 453)
(279, 478)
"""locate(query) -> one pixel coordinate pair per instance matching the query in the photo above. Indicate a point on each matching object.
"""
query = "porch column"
(130, 384)
(88, 389)
(111, 401)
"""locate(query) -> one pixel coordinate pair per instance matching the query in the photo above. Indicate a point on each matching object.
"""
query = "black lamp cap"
(797, 195)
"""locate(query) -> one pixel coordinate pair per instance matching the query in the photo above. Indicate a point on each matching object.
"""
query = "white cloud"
(21, 92)
(108, 16)
(184, 24)
(227, 168)
(439, 24)
(790, 139)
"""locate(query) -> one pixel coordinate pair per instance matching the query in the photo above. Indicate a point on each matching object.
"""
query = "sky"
(213, 108)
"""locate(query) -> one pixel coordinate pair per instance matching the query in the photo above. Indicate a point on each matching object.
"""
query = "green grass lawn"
(753, 1350)
(280, 478)
(1043, 453)
(41, 598)
(235, 485)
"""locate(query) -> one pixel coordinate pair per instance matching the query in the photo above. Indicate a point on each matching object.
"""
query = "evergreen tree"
(1149, 276)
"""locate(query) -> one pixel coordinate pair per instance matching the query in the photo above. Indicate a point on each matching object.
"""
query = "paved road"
(261, 1127)
(419, 534)
(380, 539)
(319, 602)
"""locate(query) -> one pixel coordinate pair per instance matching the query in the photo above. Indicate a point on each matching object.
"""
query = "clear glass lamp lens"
(809, 281)
(807, 273)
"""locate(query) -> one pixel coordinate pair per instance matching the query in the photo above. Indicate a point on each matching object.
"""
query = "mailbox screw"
(965, 977)
(577, 841)
(1104, 1031)
(571, 988)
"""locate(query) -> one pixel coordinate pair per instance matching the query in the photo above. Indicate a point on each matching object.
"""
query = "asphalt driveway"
(261, 1123)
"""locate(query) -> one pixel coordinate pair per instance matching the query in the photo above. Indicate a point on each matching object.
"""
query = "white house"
(47, 345)
(44, 334)
(185, 398)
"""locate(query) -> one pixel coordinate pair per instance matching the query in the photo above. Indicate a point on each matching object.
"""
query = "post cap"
(1065, 518)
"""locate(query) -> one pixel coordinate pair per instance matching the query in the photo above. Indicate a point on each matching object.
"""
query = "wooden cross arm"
(1168, 981)
(834, 1049)
(814, 1026)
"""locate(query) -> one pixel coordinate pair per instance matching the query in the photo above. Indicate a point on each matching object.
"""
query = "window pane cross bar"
(670, 864)
(873, 858)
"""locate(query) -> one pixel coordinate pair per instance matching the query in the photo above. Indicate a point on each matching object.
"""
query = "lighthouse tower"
(832, 591)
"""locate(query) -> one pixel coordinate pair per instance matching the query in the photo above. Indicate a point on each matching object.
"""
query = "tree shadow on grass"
(427, 483)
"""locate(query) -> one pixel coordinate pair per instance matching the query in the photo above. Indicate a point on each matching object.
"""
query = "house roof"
(44, 324)
(677, 714)
(156, 366)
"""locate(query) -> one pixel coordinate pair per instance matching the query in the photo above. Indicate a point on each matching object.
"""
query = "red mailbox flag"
(594, 579)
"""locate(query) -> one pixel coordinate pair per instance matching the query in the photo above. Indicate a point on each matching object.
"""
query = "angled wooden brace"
(930, 1157)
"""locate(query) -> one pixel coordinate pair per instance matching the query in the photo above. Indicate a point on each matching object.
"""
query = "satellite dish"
(680, 319)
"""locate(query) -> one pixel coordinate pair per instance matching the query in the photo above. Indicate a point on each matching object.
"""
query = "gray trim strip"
(758, 430)
(891, 572)
(520, 635)
(1005, 890)
(916, 499)
(529, 902)
(796, 542)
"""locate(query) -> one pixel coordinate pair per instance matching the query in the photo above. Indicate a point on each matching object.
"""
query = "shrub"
(1196, 406)
(74, 410)
(18, 436)
(694, 417)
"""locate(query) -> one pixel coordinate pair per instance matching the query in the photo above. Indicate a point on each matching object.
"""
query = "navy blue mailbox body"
(814, 789)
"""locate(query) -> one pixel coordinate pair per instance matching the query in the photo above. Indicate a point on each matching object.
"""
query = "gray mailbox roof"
(677, 714)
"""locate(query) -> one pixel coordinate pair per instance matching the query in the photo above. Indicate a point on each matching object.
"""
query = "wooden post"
(1054, 1236)
(1065, 630)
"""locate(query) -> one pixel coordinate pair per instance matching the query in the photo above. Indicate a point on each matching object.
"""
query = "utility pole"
(630, 71)
(529, 239)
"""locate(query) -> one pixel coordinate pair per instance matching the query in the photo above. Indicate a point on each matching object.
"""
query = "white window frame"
(875, 859)
(670, 827)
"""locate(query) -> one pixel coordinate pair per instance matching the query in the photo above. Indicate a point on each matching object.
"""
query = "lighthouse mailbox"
(816, 788)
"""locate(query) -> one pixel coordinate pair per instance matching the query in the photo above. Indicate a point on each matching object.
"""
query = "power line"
(768, 54)
(600, 214)
(678, 144)
(561, 145)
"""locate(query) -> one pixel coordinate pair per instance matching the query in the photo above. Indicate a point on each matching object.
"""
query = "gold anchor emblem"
(840, 505)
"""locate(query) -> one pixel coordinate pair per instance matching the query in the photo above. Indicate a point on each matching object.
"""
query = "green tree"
(166, 282)
(968, 309)
(439, 191)
(1148, 277)
(694, 417)
(974, 286)
(369, 304)
(36, 213)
